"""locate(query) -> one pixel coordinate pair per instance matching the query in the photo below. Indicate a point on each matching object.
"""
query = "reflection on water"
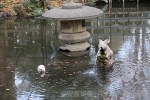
(27, 43)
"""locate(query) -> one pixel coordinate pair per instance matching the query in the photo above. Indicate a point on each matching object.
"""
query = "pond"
(27, 43)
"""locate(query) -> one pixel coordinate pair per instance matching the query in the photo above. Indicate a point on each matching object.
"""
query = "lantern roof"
(72, 11)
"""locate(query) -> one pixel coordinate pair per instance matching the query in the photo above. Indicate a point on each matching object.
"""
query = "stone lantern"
(73, 30)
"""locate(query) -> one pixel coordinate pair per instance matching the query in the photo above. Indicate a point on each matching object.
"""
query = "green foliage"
(36, 12)
(34, 7)
(1, 6)
(48, 4)
(91, 2)
(17, 8)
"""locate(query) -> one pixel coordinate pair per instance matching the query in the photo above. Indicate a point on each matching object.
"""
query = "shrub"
(17, 8)
(1, 6)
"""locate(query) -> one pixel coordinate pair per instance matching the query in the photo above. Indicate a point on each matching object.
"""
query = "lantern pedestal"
(73, 33)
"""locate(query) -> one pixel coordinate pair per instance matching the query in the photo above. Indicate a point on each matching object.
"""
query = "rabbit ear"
(100, 40)
(107, 41)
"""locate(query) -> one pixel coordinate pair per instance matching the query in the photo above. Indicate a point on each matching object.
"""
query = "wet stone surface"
(27, 43)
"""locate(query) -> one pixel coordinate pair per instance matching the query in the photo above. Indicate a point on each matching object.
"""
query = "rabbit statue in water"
(41, 70)
(104, 54)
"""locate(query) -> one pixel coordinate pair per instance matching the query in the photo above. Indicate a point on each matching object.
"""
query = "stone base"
(75, 47)
(74, 38)
(75, 53)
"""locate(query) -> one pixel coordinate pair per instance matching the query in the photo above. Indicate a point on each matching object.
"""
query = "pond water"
(27, 43)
